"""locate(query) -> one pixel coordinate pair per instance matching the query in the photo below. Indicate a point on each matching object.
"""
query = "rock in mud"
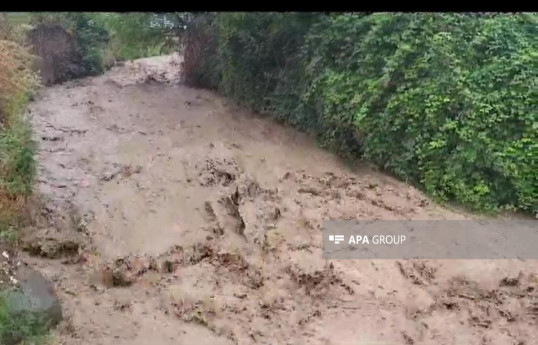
(36, 296)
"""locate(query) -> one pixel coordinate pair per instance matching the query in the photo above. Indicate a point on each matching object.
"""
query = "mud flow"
(170, 216)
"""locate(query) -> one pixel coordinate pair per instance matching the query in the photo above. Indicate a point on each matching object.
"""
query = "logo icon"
(336, 238)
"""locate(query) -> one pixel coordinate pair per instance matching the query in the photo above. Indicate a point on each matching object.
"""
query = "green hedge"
(445, 101)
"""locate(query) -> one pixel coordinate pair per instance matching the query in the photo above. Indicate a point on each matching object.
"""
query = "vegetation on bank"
(105, 38)
(17, 166)
(444, 101)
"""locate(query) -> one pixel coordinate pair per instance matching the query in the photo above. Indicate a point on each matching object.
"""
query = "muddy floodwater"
(172, 216)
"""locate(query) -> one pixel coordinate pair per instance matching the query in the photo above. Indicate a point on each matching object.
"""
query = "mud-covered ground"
(168, 216)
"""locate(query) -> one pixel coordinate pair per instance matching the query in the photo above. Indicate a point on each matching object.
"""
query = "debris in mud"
(319, 282)
(315, 314)
(310, 190)
(507, 281)
(236, 146)
(285, 176)
(382, 204)
(233, 262)
(109, 175)
(68, 130)
(211, 216)
(125, 170)
(134, 266)
(51, 244)
(194, 311)
(487, 307)
(507, 315)
(116, 129)
(217, 171)
(248, 187)
(119, 278)
(304, 246)
(125, 271)
(356, 194)
(122, 303)
(128, 170)
(274, 214)
(254, 279)
(418, 272)
(372, 185)
(480, 322)
(197, 253)
(272, 240)
(408, 340)
(52, 138)
(234, 220)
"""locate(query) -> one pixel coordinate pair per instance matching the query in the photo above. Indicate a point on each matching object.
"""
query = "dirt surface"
(171, 217)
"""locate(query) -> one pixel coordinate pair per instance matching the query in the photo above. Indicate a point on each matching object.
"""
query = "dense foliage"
(446, 101)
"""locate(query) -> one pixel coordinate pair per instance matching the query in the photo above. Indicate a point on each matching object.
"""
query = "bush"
(445, 101)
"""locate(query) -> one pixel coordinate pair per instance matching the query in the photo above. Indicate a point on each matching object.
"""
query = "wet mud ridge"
(168, 216)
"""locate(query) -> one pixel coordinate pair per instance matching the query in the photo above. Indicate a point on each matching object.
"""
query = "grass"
(17, 170)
